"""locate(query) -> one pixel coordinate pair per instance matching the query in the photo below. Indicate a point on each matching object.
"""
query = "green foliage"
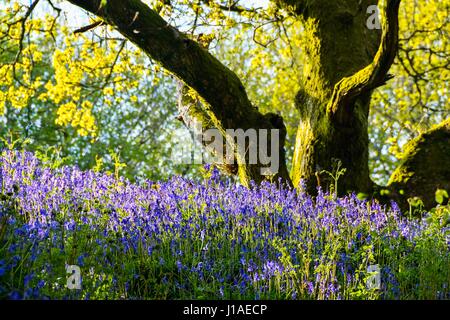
(335, 175)
(83, 96)
(441, 196)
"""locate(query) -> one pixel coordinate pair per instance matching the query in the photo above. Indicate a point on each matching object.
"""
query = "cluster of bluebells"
(204, 240)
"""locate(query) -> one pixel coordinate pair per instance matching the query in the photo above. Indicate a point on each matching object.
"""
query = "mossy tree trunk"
(425, 167)
(337, 44)
(344, 61)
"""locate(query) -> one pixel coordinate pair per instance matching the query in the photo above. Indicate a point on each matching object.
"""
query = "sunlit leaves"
(418, 97)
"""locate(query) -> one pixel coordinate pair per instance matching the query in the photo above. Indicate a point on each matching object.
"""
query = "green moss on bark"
(425, 167)
(336, 44)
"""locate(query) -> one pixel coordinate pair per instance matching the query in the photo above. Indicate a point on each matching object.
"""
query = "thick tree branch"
(193, 115)
(376, 74)
(215, 83)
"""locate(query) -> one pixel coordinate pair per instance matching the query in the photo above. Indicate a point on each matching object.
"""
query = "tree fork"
(344, 62)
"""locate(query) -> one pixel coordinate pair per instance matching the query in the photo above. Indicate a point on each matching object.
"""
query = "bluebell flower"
(179, 265)
(80, 260)
(41, 284)
(226, 233)
(15, 295)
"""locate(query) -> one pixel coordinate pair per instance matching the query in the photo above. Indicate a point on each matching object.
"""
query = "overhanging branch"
(185, 58)
(376, 74)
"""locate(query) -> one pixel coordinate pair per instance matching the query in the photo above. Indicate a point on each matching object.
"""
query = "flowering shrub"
(211, 240)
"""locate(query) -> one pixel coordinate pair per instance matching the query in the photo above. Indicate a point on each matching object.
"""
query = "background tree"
(84, 98)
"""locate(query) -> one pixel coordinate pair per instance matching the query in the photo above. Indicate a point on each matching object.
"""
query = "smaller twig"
(21, 37)
(89, 27)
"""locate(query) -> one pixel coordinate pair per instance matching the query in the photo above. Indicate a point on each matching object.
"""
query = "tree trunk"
(425, 167)
(337, 44)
